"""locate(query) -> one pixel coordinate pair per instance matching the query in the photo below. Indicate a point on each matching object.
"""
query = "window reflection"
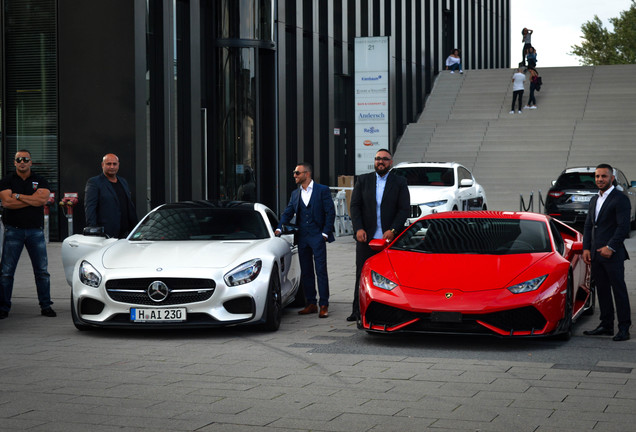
(237, 157)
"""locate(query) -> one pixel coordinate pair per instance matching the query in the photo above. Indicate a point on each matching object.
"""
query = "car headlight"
(245, 273)
(527, 286)
(382, 282)
(435, 203)
(88, 275)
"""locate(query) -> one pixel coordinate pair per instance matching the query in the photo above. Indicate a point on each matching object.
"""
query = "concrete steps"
(585, 116)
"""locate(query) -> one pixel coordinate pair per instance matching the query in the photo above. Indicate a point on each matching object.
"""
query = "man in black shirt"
(107, 200)
(23, 196)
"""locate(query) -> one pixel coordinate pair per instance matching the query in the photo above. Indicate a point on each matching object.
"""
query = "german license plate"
(581, 198)
(157, 315)
(449, 317)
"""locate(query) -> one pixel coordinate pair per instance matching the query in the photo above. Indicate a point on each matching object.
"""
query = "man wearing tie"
(315, 214)
(606, 227)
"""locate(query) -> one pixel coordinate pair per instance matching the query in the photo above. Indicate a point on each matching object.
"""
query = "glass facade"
(30, 92)
(217, 99)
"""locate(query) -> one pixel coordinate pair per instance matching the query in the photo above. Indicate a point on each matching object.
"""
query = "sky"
(557, 26)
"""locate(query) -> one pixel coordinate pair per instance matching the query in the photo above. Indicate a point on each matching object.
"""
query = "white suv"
(437, 187)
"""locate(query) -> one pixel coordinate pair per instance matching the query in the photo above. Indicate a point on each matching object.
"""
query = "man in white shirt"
(312, 206)
(517, 89)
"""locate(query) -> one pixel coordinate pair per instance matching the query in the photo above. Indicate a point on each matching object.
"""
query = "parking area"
(311, 375)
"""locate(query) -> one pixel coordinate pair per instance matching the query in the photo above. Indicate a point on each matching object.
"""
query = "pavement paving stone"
(312, 374)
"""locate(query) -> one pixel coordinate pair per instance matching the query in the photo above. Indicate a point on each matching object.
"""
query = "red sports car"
(483, 272)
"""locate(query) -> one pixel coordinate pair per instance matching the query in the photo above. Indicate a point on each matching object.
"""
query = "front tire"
(273, 305)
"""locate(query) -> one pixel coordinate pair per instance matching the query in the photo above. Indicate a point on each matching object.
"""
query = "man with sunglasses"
(24, 194)
(312, 206)
(380, 204)
(108, 202)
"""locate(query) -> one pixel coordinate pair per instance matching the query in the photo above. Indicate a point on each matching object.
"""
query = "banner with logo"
(371, 99)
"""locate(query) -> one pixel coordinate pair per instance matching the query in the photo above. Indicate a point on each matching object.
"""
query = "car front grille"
(527, 319)
(181, 290)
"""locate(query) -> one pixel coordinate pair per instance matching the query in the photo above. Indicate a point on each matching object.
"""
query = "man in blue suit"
(315, 214)
(606, 227)
(108, 202)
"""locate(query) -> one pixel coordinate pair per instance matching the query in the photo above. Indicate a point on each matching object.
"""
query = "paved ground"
(318, 375)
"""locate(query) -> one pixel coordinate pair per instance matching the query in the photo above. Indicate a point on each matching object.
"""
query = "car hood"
(462, 272)
(424, 194)
(210, 254)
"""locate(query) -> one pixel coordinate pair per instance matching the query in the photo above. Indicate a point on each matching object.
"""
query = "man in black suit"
(380, 204)
(606, 227)
(315, 213)
(107, 200)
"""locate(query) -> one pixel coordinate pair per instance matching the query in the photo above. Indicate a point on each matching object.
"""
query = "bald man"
(108, 202)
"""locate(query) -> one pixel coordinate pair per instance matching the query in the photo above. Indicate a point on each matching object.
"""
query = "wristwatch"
(17, 196)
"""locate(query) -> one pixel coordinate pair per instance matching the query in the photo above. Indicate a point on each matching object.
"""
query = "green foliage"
(602, 47)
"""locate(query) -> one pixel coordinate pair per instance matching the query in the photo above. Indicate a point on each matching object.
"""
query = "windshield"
(183, 223)
(577, 180)
(427, 176)
(475, 236)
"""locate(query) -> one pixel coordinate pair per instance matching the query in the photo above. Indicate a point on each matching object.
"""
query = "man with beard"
(606, 227)
(380, 204)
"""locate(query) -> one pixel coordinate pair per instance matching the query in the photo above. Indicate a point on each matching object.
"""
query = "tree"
(603, 47)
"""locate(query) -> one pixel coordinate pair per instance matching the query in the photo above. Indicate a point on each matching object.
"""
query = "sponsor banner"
(371, 99)
(372, 117)
(372, 78)
(368, 104)
(372, 91)
(373, 130)
(366, 148)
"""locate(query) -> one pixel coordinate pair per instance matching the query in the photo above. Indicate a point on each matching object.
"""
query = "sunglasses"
(385, 159)
(22, 159)
(298, 172)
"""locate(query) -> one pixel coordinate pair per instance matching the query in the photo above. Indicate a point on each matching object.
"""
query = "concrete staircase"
(585, 116)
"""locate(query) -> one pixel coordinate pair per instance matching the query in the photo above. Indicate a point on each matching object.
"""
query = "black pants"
(517, 94)
(609, 275)
(363, 253)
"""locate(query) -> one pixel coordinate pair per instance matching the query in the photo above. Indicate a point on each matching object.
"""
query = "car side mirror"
(94, 231)
(466, 183)
(288, 229)
(577, 247)
(378, 244)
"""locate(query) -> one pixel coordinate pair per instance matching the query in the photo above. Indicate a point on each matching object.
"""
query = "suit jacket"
(321, 206)
(611, 227)
(102, 206)
(394, 208)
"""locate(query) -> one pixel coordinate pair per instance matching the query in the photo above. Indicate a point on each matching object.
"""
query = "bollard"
(47, 212)
(68, 202)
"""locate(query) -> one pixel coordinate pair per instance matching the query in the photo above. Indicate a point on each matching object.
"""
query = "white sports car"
(436, 187)
(188, 264)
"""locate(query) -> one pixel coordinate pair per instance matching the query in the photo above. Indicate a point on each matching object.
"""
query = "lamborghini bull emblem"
(448, 295)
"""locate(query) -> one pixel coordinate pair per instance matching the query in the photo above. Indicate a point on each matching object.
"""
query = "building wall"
(144, 79)
(315, 63)
(96, 93)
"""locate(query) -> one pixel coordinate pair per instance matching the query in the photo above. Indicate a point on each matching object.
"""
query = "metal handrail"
(530, 207)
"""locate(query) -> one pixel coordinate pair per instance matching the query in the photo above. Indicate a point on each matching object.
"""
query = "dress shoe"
(309, 309)
(4, 314)
(352, 317)
(600, 330)
(622, 335)
(324, 312)
(48, 312)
